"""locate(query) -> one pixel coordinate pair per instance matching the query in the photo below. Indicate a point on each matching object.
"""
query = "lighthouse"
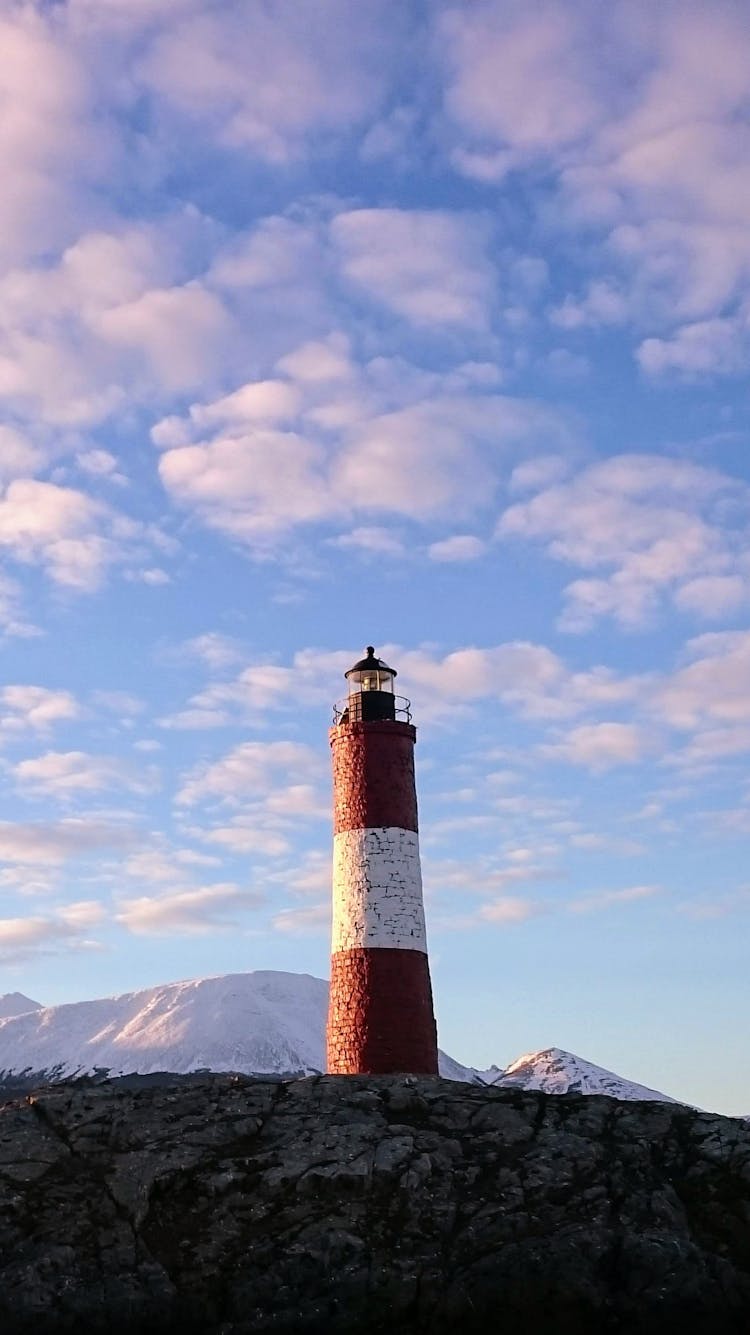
(380, 1017)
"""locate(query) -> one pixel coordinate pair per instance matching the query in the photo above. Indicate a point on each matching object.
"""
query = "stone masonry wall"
(373, 776)
(377, 890)
(381, 1016)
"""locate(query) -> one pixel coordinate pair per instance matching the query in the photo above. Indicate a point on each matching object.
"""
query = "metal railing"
(354, 708)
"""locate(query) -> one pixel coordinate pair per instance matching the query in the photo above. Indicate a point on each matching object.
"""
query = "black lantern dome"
(371, 674)
(371, 695)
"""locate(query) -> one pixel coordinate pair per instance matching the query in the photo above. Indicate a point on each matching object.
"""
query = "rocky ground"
(224, 1205)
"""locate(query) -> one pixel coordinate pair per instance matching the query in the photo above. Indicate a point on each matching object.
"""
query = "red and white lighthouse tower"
(380, 1017)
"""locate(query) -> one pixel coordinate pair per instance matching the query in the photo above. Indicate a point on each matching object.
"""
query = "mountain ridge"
(265, 1022)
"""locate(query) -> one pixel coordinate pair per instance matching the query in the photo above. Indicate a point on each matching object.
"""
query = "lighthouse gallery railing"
(350, 709)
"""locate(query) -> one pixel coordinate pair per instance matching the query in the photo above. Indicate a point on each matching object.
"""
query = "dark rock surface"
(224, 1204)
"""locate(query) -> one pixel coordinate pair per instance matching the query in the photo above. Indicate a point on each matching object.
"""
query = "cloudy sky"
(421, 325)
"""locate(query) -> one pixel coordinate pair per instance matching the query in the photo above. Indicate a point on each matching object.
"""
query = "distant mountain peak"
(15, 1003)
(556, 1071)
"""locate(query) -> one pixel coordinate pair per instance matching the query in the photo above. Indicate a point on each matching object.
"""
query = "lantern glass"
(370, 679)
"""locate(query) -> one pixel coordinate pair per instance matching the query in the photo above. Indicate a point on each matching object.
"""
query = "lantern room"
(371, 696)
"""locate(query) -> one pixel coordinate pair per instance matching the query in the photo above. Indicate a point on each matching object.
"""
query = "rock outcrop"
(226, 1205)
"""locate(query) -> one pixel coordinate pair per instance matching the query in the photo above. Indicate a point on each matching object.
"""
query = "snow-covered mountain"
(15, 1003)
(557, 1072)
(266, 1022)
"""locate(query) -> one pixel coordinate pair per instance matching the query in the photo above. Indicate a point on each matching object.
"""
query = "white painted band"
(377, 890)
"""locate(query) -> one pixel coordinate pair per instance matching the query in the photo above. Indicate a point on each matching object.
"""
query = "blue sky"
(424, 326)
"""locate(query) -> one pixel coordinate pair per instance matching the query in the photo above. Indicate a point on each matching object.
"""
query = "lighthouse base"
(380, 1016)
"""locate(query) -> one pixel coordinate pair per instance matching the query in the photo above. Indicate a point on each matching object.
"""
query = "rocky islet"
(225, 1204)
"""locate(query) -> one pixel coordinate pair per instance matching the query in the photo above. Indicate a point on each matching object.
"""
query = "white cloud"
(646, 139)
(48, 139)
(30, 881)
(194, 719)
(182, 333)
(509, 910)
(481, 878)
(719, 905)
(100, 464)
(708, 695)
(601, 746)
(299, 800)
(525, 676)
(541, 471)
(710, 746)
(266, 789)
(309, 918)
(393, 138)
(566, 365)
(163, 864)
(264, 402)
(713, 688)
(21, 937)
(83, 913)
(153, 864)
(372, 538)
(461, 547)
(321, 361)
(73, 537)
(656, 524)
(214, 649)
(713, 596)
(12, 622)
(153, 576)
(119, 702)
(52, 843)
(35, 707)
(703, 348)
(277, 252)
(61, 929)
(261, 686)
(310, 877)
(516, 84)
(250, 769)
(65, 773)
(120, 315)
(248, 835)
(607, 899)
(261, 83)
(438, 458)
(190, 911)
(57, 527)
(118, 15)
(18, 456)
(233, 483)
(603, 304)
(432, 268)
(379, 437)
(595, 843)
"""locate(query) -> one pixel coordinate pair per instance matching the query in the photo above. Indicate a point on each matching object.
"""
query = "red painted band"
(373, 776)
(380, 1015)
